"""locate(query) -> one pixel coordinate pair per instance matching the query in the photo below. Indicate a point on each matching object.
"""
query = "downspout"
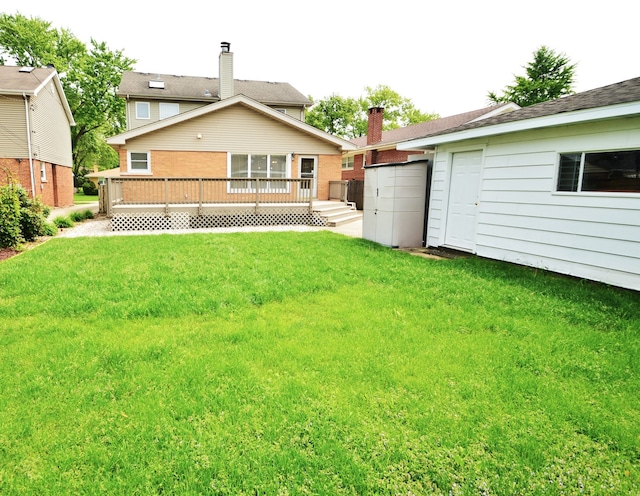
(33, 177)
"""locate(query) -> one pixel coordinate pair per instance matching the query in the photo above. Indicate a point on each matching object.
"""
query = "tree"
(89, 77)
(347, 117)
(335, 115)
(550, 75)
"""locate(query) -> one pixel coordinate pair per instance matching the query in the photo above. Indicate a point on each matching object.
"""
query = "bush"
(76, 216)
(10, 229)
(88, 214)
(33, 216)
(49, 229)
(90, 189)
(62, 222)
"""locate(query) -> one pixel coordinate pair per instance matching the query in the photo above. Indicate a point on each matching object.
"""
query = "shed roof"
(619, 98)
(205, 89)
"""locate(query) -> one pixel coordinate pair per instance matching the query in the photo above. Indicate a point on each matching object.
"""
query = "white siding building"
(554, 186)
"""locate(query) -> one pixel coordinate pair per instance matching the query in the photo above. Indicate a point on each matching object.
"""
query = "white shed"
(394, 203)
(554, 186)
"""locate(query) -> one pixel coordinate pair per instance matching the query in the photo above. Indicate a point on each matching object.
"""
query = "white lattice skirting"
(146, 221)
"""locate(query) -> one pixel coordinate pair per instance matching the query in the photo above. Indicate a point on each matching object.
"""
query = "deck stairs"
(337, 213)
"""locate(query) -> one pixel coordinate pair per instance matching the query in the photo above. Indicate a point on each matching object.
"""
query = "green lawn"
(80, 197)
(309, 363)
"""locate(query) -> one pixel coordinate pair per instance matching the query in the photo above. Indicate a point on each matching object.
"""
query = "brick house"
(35, 135)
(380, 147)
(180, 126)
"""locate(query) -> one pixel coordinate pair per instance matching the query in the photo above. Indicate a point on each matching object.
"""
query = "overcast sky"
(445, 56)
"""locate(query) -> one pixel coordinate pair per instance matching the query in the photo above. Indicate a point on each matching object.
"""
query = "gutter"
(29, 149)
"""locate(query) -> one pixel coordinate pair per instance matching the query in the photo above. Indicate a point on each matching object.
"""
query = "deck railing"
(338, 190)
(206, 191)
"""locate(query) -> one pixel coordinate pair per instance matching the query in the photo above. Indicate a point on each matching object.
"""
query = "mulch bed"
(7, 253)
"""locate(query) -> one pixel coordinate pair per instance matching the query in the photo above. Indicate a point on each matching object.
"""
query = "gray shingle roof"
(192, 88)
(14, 81)
(614, 94)
(425, 128)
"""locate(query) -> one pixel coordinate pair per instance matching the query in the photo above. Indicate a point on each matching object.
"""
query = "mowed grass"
(309, 363)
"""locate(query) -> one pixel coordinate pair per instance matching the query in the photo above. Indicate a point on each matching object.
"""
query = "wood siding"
(522, 219)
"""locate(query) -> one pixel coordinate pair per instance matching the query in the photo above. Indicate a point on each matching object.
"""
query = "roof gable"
(27, 81)
(204, 89)
(121, 139)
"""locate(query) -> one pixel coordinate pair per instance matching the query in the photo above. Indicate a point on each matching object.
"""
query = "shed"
(394, 203)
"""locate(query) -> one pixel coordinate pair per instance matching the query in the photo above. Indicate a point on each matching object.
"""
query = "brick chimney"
(374, 125)
(225, 68)
(374, 133)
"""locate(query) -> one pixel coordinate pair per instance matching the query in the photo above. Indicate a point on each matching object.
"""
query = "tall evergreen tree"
(549, 75)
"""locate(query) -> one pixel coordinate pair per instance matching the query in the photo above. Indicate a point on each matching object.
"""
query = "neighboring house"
(380, 147)
(153, 97)
(554, 186)
(35, 135)
(240, 129)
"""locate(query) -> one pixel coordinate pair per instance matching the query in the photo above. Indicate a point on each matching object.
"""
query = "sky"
(443, 55)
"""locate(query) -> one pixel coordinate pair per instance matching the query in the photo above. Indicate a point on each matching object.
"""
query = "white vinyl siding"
(523, 219)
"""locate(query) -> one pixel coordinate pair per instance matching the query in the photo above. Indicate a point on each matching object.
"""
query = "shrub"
(90, 189)
(49, 229)
(76, 216)
(10, 230)
(62, 222)
(88, 214)
(33, 216)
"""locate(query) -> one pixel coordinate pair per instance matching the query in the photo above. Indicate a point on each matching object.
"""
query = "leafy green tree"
(549, 76)
(348, 117)
(90, 78)
(335, 115)
(399, 111)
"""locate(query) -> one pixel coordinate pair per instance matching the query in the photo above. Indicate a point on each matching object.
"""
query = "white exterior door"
(309, 170)
(464, 193)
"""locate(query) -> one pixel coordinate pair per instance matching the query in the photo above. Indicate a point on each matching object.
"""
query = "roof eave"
(561, 119)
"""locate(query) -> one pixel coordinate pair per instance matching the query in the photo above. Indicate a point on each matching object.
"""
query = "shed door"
(464, 192)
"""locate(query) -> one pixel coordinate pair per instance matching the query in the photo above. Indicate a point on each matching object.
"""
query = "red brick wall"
(56, 191)
(214, 164)
(357, 172)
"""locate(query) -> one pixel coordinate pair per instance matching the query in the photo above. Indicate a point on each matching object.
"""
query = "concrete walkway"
(63, 212)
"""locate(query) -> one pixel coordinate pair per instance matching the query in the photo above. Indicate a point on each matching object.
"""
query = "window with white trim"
(611, 171)
(43, 173)
(261, 166)
(143, 110)
(169, 110)
(347, 162)
(139, 162)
